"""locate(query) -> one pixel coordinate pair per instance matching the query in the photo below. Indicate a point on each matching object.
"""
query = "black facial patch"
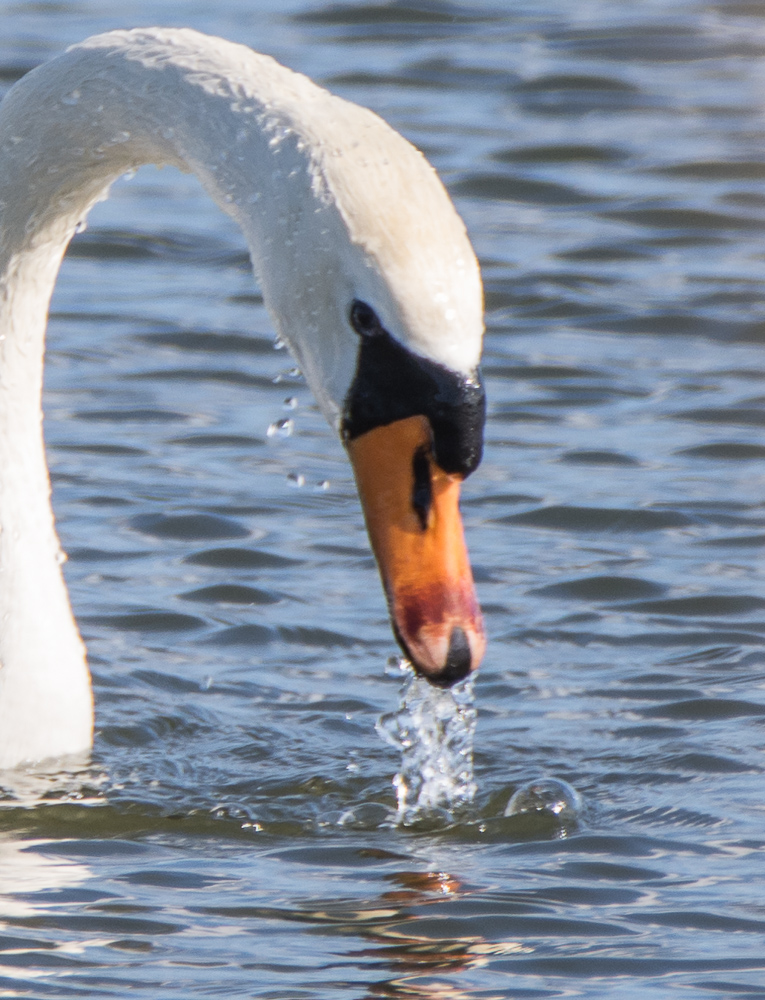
(391, 383)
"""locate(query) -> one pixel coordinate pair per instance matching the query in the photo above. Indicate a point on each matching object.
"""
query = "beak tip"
(458, 661)
(462, 657)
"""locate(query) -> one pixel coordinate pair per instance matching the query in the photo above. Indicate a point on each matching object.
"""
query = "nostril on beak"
(458, 661)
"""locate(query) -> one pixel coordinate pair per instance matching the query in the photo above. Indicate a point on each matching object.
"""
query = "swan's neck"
(335, 206)
(66, 133)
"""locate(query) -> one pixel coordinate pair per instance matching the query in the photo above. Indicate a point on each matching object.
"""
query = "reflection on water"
(609, 161)
(26, 871)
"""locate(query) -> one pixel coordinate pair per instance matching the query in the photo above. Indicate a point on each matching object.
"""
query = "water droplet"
(297, 479)
(279, 344)
(290, 403)
(81, 226)
(290, 375)
(281, 428)
(71, 98)
(322, 486)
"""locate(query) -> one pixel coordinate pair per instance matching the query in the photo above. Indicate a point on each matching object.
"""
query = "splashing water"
(434, 730)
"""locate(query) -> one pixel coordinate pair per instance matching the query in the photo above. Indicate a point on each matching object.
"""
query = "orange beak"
(411, 507)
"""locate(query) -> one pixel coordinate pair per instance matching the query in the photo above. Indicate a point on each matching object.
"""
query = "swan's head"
(379, 295)
(414, 431)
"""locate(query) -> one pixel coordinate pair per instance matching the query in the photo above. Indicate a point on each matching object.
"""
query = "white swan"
(369, 278)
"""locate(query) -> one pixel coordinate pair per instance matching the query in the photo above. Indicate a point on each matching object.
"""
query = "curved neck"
(167, 97)
(67, 131)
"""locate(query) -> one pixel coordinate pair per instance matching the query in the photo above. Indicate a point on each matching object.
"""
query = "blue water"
(236, 831)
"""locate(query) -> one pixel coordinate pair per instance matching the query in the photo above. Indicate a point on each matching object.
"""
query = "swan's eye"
(364, 319)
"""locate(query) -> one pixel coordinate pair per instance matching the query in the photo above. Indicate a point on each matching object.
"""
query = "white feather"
(334, 204)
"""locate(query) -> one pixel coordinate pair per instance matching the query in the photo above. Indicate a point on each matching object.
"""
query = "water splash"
(434, 730)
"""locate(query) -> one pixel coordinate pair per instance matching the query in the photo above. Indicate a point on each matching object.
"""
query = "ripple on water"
(566, 517)
(189, 527)
(239, 792)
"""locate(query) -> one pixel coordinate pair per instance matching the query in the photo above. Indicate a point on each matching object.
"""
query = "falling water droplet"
(289, 376)
(281, 428)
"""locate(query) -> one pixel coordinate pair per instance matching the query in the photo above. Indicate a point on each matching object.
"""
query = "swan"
(369, 278)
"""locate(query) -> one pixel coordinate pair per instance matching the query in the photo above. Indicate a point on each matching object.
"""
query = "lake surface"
(235, 831)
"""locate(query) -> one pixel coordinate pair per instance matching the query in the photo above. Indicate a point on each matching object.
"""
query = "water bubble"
(434, 730)
(281, 428)
(546, 795)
